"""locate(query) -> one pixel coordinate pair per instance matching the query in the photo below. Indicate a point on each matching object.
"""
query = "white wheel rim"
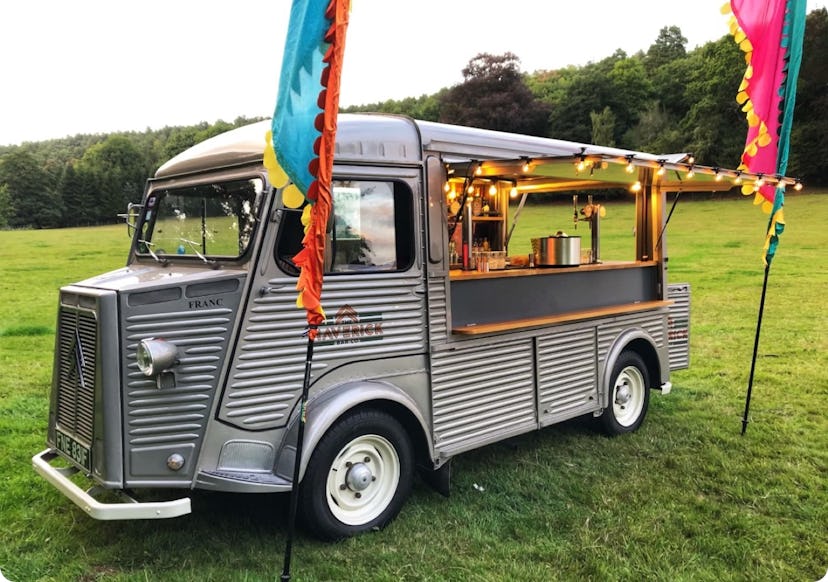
(363, 479)
(628, 396)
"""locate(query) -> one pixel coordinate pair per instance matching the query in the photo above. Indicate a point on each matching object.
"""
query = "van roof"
(394, 139)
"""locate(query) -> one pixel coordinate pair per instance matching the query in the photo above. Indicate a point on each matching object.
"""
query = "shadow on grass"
(26, 331)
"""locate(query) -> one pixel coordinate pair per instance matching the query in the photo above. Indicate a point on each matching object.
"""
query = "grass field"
(685, 498)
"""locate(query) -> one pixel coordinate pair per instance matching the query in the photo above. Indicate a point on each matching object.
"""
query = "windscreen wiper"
(194, 246)
(149, 246)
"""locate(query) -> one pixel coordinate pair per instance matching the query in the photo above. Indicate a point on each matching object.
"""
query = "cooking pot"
(560, 250)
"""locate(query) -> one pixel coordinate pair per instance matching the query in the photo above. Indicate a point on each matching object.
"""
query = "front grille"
(76, 365)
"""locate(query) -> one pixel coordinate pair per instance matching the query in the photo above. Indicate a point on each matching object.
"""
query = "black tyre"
(629, 395)
(359, 476)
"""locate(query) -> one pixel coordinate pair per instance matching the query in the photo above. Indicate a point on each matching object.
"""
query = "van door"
(373, 297)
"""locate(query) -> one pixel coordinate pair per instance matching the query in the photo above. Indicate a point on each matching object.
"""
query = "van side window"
(371, 229)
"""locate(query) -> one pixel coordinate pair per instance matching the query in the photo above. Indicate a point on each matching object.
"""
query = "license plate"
(77, 452)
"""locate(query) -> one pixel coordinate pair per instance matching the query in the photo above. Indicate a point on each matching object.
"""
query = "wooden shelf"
(517, 324)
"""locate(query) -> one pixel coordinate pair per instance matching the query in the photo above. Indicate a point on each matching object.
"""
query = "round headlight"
(155, 355)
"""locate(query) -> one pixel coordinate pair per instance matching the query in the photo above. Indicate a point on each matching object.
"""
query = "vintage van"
(182, 370)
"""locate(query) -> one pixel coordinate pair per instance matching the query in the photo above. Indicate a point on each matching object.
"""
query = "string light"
(513, 192)
(492, 190)
(479, 170)
(446, 187)
(661, 169)
(636, 187)
(717, 176)
(798, 186)
(630, 166)
(738, 179)
(691, 172)
(525, 168)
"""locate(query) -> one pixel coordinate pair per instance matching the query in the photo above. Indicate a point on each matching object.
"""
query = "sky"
(99, 66)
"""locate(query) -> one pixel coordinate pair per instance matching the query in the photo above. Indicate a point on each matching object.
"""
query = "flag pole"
(297, 463)
(755, 348)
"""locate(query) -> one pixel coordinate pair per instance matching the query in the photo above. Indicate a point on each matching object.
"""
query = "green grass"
(684, 498)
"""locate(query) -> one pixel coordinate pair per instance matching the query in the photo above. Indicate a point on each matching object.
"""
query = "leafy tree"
(425, 107)
(657, 131)
(588, 91)
(809, 135)
(179, 140)
(551, 86)
(670, 85)
(715, 125)
(667, 48)
(630, 92)
(79, 192)
(118, 171)
(5, 206)
(33, 201)
(603, 127)
(494, 95)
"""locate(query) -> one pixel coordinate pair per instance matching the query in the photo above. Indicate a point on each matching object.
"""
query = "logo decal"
(78, 362)
(351, 327)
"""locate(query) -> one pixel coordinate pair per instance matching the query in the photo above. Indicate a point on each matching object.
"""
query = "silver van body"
(459, 359)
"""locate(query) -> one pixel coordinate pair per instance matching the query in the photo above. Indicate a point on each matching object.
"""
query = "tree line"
(666, 99)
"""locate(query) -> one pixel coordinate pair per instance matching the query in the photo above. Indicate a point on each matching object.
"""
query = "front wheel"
(358, 477)
(629, 395)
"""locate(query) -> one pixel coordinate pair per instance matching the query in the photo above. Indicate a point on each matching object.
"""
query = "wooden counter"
(460, 275)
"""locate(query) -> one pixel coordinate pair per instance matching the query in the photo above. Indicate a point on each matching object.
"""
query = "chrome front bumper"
(129, 509)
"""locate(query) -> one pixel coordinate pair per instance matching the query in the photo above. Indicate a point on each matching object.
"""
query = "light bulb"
(492, 190)
(513, 192)
(636, 187)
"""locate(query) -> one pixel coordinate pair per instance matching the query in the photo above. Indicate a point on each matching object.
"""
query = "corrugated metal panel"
(437, 310)
(678, 326)
(177, 415)
(652, 322)
(481, 393)
(567, 374)
(369, 316)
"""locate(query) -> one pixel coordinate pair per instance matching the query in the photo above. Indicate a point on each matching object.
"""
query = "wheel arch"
(640, 342)
(325, 410)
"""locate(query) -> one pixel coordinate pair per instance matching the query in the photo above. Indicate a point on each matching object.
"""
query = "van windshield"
(206, 222)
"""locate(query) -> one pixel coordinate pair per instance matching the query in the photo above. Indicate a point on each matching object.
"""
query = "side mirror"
(131, 217)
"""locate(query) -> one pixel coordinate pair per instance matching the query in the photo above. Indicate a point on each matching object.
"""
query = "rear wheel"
(359, 476)
(629, 395)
